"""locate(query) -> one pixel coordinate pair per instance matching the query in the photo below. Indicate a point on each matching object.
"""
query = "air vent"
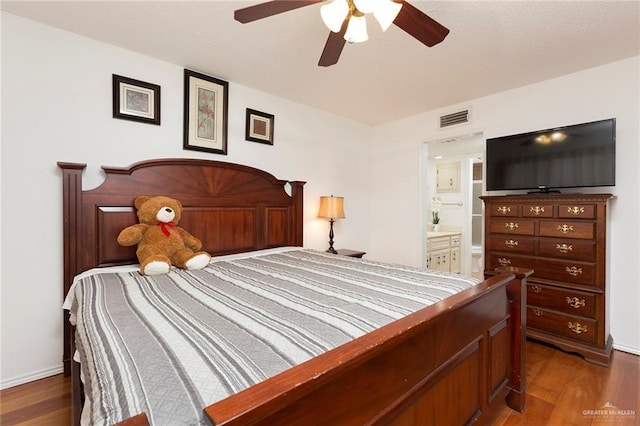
(460, 117)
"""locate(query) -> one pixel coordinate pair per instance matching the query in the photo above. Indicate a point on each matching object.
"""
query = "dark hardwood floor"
(563, 390)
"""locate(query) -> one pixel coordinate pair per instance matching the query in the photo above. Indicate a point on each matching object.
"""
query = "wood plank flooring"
(563, 390)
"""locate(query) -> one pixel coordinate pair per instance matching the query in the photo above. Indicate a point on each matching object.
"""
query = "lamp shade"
(356, 30)
(333, 14)
(386, 12)
(331, 207)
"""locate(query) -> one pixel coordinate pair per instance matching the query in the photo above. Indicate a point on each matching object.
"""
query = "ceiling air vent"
(460, 117)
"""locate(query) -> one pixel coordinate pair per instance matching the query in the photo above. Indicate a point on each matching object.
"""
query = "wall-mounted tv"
(576, 156)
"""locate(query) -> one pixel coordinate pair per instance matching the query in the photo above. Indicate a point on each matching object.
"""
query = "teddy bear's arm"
(189, 240)
(132, 235)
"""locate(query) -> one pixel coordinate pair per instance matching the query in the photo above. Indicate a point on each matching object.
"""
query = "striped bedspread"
(172, 344)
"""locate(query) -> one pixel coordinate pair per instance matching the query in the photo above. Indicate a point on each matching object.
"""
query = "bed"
(451, 362)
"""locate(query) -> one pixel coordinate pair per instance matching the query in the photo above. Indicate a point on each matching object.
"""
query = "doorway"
(460, 160)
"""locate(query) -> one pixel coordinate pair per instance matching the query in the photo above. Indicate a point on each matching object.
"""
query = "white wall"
(611, 90)
(56, 106)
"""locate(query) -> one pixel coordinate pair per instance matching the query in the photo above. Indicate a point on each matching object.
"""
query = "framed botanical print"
(206, 101)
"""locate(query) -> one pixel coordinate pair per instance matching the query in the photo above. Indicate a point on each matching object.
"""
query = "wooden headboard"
(231, 208)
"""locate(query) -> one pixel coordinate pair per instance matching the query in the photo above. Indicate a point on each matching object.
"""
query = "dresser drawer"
(564, 300)
(537, 210)
(571, 326)
(567, 249)
(583, 273)
(512, 244)
(504, 210)
(582, 211)
(567, 229)
(512, 226)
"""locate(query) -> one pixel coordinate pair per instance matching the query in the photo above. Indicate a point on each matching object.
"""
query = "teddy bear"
(161, 242)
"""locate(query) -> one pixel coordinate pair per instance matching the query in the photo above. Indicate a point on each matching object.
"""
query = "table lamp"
(331, 208)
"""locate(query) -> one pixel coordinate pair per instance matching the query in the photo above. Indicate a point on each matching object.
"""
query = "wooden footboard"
(450, 363)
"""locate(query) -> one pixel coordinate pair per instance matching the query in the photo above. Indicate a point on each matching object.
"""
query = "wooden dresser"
(563, 239)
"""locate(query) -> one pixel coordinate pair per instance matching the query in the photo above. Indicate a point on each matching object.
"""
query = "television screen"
(581, 155)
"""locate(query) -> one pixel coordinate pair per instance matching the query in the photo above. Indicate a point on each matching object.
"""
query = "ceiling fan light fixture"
(334, 13)
(386, 12)
(356, 30)
(367, 6)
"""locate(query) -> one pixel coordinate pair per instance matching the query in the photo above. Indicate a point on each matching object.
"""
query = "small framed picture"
(206, 101)
(259, 127)
(136, 100)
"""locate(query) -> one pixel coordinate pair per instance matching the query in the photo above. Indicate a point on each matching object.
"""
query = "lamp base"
(331, 249)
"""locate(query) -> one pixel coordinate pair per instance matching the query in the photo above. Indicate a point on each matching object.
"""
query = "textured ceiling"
(493, 46)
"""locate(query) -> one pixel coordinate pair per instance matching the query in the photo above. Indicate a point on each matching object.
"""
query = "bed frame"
(450, 363)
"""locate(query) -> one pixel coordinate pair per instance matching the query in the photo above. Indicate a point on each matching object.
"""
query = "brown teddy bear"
(161, 242)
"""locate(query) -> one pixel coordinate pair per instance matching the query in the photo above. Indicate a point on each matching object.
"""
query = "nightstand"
(351, 253)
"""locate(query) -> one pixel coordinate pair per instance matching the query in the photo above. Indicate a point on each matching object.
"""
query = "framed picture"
(259, 127)
(136, 100)
(206, 100)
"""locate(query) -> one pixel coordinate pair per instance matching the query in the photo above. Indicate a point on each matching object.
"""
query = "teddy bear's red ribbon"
(165, 231)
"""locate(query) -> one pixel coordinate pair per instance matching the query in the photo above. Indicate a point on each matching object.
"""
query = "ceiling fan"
(345, 19)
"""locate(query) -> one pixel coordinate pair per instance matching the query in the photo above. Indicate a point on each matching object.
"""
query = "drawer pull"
(565, 228)
(564, 248)
(573, 271)
(575, 302)
(511, 243)
(504, 209)
(575, 210)
(511, 226)
(536, 289)
(537, 210)
(577, 327)
(537, 312)
(503, 261)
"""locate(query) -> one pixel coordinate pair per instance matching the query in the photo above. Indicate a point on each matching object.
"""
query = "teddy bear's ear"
(139, 201)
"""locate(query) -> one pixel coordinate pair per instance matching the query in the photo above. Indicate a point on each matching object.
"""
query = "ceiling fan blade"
(270, 8)
(420, 26)
(333, 47)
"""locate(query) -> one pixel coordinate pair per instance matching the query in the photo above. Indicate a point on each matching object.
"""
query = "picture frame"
(259, 126)
(206, 102)
(136, 100)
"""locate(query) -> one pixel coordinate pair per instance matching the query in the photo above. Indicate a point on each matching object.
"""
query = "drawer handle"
(575, 210)
(577, 327)
(537, 312)
(575, 302)
(565, 228)
(511, 243)
(511, 226)
(536, 289)
(504, 209)
(564, 248)
(573, 271)
(503, 261)
(537, 210)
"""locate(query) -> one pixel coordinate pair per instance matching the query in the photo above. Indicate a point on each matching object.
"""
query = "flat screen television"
(576, 156)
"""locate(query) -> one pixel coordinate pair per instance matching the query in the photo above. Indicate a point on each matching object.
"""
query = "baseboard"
(31, 377)
(629, 349)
